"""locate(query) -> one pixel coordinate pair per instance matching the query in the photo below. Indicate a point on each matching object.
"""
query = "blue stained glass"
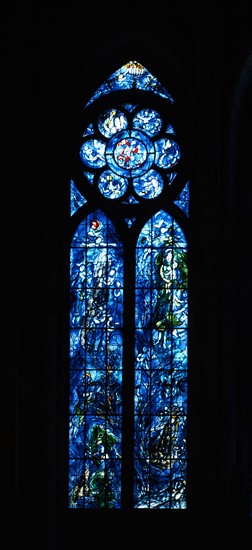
(88, 131)
(130, 221)
(111, 185)
(76, 199)
(89, 176)
(132, 75)
(96, 350)
(159, 230)
(149, 121)
(169, 129)
(128, 154)
(130, 200)
(130, 107)
(130, 149)
(167, 153)
(112, 121)
(92, 153)
(161, 364)
(183, 200)
(149, 185)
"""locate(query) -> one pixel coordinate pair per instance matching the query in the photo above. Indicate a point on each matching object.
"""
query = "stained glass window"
(129, 203)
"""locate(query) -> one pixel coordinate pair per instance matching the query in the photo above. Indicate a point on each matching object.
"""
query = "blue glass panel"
(161, 364)
(111, 185)
(130, 221)
(149, 121)
(171, 177)
(92, 153)
(76, 199)
(169, 129)
(130, 107)
(149, 185)
(183, 200)
(161, 229)
(89, 130)
(167, 153)
(130, 200)
(96, 351)
(132, 75)
(112, 121)
(89, 176)
(130, 153)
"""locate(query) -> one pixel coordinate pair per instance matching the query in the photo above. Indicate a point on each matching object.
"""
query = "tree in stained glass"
(129, 299)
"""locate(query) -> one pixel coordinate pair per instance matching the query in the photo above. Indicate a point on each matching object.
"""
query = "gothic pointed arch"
(130, 308)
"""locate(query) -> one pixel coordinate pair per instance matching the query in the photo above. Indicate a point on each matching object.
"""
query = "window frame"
(187, 151)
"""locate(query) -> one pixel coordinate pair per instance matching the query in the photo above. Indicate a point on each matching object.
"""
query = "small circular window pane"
(167, 153)
(111, 185)
(112, 121)
(92, 153)
(149, 185)
(130, 153)
(148, 121)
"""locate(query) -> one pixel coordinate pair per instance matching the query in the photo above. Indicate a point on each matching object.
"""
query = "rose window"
(131, 148)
